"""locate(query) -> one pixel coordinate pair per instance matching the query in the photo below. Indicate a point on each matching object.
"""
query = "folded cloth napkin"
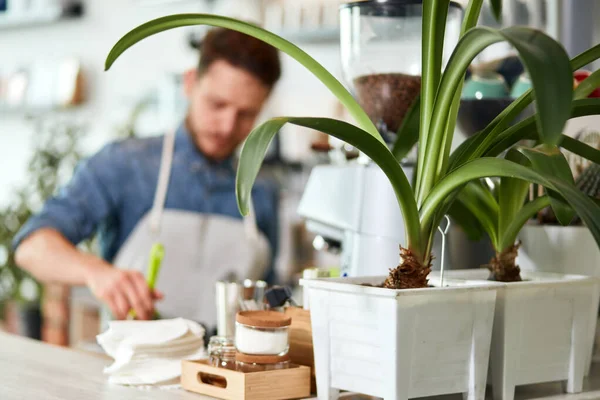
(150, 352)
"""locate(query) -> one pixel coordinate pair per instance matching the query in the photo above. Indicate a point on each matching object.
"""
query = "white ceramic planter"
(400, 344)
(543, 329)
(559, 249)
(564, 250)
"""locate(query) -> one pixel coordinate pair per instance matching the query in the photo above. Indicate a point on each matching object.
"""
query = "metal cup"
(255, 290)
(253, 294)
(227, 302)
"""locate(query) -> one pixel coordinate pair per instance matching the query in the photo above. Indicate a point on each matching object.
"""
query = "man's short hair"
(243, 51)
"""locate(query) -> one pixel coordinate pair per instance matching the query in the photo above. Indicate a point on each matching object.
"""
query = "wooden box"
(301, 345)
(291, 383)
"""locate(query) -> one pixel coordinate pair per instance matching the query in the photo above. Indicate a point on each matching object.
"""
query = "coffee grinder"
(351, 207)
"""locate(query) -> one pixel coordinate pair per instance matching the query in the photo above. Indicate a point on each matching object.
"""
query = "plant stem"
(509, 235)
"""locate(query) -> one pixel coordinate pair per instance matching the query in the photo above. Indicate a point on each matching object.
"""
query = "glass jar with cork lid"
(262, 333)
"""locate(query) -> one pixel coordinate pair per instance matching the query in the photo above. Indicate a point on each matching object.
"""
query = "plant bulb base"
(409, 274)
(503, 267)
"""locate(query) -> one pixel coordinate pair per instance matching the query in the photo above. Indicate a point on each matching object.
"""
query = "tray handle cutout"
(212, 380)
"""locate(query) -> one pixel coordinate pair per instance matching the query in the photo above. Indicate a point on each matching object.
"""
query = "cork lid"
(261, 359)
(263, 319)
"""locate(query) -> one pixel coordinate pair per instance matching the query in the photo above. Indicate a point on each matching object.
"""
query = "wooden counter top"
(34, 370)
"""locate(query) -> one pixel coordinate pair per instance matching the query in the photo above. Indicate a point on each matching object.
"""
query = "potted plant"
(17, 287)
(563, 306)
(56, 152)
(367, 339)
(549, 246)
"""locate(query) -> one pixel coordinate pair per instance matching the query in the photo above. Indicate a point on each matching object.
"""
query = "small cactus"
(589, 181)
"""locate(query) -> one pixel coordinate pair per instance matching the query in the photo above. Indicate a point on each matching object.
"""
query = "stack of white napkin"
(150, 352)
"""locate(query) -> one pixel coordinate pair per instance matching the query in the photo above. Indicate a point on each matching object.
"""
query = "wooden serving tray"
(290, 383)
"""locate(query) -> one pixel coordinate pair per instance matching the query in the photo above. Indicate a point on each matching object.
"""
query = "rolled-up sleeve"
(78, 207)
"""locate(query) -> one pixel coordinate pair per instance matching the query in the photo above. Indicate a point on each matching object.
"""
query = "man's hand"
(50, 257)
(123, 290)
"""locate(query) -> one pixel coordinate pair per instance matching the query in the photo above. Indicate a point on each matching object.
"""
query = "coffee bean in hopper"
(386, 98)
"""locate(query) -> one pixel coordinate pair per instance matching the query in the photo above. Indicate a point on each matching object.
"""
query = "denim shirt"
(112, 190)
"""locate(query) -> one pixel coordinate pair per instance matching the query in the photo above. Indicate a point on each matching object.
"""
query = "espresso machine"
(351, 206)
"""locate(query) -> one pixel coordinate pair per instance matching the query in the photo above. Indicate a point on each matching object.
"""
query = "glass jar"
(249, 363)
(262, 333)
(221, 352)
(380, 45)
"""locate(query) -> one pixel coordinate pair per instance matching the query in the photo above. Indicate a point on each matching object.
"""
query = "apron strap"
(166, 161)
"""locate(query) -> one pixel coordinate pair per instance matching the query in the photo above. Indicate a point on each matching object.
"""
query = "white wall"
(111, 94)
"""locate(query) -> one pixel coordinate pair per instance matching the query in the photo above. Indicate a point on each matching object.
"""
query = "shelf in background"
(30, 111)
(324, 35)
(70, 10)
(299, 37)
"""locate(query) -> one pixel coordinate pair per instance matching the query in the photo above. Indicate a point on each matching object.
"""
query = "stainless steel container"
(228, 297)
(232, 297)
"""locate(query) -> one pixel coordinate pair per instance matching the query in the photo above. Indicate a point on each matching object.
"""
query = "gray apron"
(200, 249)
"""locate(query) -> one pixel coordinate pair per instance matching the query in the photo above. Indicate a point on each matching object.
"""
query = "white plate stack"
(150, 352)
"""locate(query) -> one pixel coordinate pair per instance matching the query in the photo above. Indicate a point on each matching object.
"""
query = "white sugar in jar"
(262, 332)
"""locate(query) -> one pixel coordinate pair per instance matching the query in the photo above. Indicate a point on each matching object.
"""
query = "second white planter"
(543, 329)
(559, 249)
(400, 344)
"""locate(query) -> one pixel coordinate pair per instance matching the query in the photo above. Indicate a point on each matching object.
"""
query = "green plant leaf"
(465, 219)
(471, 17)
(544, 58)
(469, 21)
(463, 152)
(524, 214)
(511, 197)
(587, 86)
(479, 144)
(497, 9)
(435, 13)
(581, 149)
(550, 161)
(583, 205)
(585, 58)
(516, 107)
(408, 133)
(527, 129)
(257, 143)
(476, 199)
(180, 20)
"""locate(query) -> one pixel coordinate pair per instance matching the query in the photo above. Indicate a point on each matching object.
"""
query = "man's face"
(224, 103)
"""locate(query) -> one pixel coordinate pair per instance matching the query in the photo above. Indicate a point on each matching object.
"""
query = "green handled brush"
(157, 253)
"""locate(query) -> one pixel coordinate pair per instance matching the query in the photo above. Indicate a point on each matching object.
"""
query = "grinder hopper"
(380, 43)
